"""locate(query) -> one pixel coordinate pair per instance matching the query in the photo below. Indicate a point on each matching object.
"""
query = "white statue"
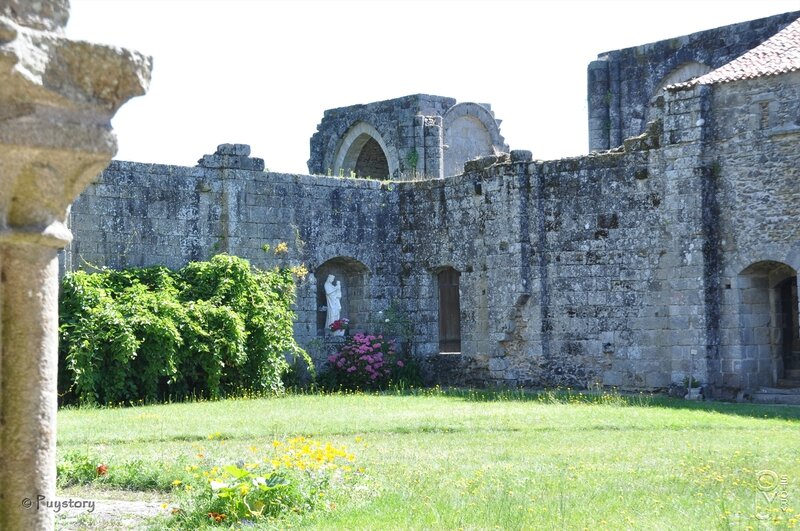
(333, 295)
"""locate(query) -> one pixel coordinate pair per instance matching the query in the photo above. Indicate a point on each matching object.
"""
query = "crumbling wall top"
(232, 156)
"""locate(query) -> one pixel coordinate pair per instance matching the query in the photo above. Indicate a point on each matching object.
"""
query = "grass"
(480, 460)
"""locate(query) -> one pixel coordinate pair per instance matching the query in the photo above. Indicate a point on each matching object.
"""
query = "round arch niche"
(364, 152)
(470, 131)
(354, 277)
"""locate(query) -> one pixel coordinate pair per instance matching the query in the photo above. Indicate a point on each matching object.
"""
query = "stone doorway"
(768, 319)
(449, 310)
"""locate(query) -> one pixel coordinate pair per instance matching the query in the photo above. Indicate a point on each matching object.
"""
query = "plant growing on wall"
(210, 329)
(413, 159)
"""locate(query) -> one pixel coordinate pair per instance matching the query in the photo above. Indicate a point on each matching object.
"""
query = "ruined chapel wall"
(138, 215)
(599, 269)
(411, 149)
(603, 244)
(574, 272)
(148, 214)
(465, 222)
(621, 83)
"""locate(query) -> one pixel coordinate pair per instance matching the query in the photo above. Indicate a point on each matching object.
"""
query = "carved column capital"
(57, 98)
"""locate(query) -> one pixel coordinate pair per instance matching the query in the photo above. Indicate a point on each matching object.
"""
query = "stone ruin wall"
(421, 136)
(139, 215)
(623, 83)
(632, 267)
(568, 269)
(588, 270)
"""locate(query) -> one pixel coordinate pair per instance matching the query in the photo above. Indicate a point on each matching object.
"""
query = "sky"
(261, 72)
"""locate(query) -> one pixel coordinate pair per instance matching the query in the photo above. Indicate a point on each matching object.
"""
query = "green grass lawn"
(468, 460)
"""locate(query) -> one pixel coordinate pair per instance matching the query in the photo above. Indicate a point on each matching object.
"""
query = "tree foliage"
(208, 330)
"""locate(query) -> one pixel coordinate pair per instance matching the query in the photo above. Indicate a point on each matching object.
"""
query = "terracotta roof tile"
(777, 55)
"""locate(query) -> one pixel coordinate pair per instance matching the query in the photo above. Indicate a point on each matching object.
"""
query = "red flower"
(339, 324)
(102, 469)
(217, 517)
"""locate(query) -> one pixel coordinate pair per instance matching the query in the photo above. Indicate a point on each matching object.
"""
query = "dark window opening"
(449, 311)
(372, 161)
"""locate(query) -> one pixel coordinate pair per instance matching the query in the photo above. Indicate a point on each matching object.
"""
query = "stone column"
(599, 100)
(57, 98)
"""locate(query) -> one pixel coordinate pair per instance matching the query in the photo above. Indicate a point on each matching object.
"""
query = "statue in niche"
(333, 296)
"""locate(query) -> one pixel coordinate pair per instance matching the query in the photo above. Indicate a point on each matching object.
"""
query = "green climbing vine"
(208, 330)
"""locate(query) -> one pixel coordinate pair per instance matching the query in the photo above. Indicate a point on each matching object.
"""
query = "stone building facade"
(622, 84)
(673, 254)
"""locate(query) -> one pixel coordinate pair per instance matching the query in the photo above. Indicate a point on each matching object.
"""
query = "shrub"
(210, 329)
(364, 361)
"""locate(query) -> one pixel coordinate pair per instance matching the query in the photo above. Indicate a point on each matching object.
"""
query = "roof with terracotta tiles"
(777, 55)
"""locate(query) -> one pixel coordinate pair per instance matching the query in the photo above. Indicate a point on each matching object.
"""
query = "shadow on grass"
(609, 397)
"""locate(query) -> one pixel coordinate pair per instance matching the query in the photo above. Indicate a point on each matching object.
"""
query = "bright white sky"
(261, 72)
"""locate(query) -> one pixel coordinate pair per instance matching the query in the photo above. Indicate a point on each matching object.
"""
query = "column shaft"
(28, 392)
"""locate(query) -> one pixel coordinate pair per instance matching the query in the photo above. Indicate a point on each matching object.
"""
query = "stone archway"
(363, 151)
(768, 323)
(370, 160)
(470, 131)
(354, 277)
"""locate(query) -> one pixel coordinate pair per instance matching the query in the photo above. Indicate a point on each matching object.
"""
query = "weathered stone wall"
(621, 83)
(756, 158)
(571, 272)
(635, 267)
(149, 214)
(145, 214)
(620, 268)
